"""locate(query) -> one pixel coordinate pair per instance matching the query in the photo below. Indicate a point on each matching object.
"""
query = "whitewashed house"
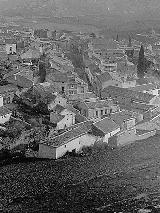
(70, 141)
(106, 128)
(11, 46)
(63, 117)
(5, 114)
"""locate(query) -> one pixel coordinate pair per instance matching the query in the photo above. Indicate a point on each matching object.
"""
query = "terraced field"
(123, 180)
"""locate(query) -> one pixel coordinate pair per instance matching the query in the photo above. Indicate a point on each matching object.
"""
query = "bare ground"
(83, 184)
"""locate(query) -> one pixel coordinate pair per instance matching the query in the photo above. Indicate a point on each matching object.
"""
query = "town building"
(11, 46)
(68, 84)
(7, 93)
(96, 108)
(5, 114)
(105, 129)
(61, 116)
(70, 141)
(126, 96)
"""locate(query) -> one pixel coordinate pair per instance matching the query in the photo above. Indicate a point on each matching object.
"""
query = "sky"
(87, 7)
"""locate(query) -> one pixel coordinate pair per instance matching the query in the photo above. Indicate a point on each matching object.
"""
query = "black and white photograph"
(80, 106)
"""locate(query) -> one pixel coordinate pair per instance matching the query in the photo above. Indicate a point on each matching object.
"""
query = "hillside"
(125, 8)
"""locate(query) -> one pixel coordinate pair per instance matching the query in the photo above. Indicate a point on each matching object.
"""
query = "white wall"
(107, 136)
(67, 121)
(46, 151)
(13, 46)
(59, 100)
(77, 144)
(5, 118)
(1, 101)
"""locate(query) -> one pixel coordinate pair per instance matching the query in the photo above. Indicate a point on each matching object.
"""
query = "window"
(97, 113)
(71, 92)
(4, 100)
(106, 111)
(101, 112)
(8, 100)
(63, 89)
(65, 146)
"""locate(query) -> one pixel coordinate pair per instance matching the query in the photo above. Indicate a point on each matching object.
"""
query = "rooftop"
(143, 87)
(120, 117)
(58, 108)
(104, 77)
(56, 117)
(101, 43)
(134, 95)
(66, 137)
(4, 111)
(98, 103)
(57, 77)
(7, 88)
(106, 125)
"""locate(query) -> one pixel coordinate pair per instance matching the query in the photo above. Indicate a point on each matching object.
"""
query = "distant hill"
(124, 8)
(108, 14)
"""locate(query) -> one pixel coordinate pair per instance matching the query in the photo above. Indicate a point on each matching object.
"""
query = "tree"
(93, 35)
(42, 71)
(117, 38)
(141, 63)
(76, 56)
(129, 41)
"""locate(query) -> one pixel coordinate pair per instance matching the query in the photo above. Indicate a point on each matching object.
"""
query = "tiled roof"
(142, 81)
(4, 111)
(94, 68)
(45, 87)
(138, 107)
(98, 104)
(57, 77)
(104, 77)
(23, 81)
(106, 125)
(11, 73)
(72, 109)
(8, 88)
(58, 108)
(70, 135)
(3, 55)
(56, 117)
(99, 43)
(31, 53)
(123, 92)
(27, 73)
(10, 41)
(120, 117)
(143, 87)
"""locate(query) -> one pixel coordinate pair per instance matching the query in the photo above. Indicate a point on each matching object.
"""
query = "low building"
(105, 128)
(143, 111)
(70, 141)
(124, 119)
(11, 46)
(105, 80)
(49, 95)
(7, 93)
(5, 114)
(63, 117)
(67, 83)
(20, 77)
(96, 108)
(146, 88)
(126, 96)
